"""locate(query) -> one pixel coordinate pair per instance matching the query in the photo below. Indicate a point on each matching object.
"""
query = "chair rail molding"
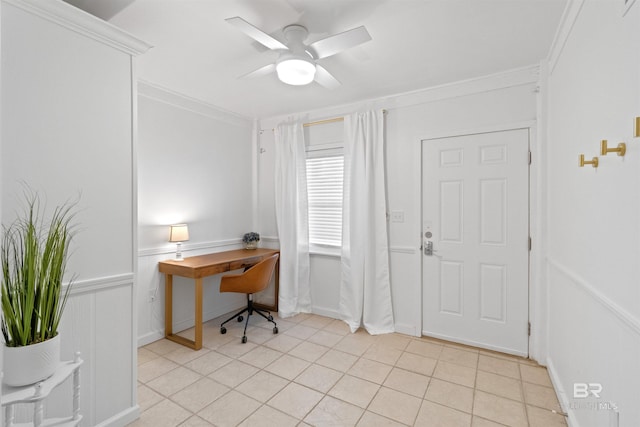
(171, 249)
(623, 315)
(409, 250)
(101, 283)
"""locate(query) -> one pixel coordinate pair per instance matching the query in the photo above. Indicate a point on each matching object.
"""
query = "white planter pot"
(32, 363)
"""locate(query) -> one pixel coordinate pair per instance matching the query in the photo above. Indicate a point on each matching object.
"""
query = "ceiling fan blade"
(262, 71)
(255, 33)
(339, 42)
(325, 78)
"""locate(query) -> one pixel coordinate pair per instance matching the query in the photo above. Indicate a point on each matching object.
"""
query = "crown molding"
(180, 100)
(527, 75)
(81, 22)
(569, 18)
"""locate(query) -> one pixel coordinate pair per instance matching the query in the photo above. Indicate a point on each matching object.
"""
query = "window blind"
(324, 188)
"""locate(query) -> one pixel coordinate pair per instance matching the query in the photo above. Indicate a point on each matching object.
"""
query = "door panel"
(475, 206)
(451, 211)
(451, 287)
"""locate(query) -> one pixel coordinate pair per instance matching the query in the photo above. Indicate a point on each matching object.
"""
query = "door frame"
(537, 203)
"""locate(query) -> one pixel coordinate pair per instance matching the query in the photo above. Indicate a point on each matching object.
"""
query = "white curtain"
(291, 215)
(365, 292)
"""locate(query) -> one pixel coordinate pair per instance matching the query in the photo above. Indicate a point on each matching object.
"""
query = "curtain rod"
(327, 121)
(324, 122)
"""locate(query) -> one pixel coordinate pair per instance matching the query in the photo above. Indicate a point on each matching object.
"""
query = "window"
(324, 187)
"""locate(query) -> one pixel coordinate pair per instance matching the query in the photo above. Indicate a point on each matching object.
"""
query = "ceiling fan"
(297, 62)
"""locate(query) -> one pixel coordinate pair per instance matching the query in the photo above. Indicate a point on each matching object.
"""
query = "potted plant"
(34, 254)
(251, 240)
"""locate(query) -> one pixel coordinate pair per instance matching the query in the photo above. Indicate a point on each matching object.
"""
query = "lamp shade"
(296, 71)
(179, 233)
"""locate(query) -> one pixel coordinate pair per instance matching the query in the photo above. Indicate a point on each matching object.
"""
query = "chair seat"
(252, 280)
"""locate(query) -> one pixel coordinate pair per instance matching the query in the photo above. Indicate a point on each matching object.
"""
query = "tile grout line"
(360, 357)
(524, 397)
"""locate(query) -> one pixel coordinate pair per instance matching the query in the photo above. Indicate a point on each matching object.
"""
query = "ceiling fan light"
(296, 72)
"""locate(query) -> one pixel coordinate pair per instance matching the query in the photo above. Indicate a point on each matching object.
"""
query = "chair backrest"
(255, 279)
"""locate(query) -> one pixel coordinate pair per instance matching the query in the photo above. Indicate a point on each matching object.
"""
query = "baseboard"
(562, 395)
(149, 338)
(186, 324)
(327, 312)
(405, 328)
(475, 344)
(123, 418)
(206, 316)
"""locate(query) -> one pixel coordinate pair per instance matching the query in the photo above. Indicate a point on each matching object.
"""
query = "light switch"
(397, 216)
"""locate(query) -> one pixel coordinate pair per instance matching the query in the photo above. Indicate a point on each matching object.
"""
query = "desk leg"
(168, 305)
(274, 306)
(198, 320)
(168, 315)
(277, 284)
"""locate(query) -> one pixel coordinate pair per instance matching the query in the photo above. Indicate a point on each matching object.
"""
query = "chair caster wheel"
(244, 339)
(240, 318)
(275, 329)
(270, 318)
(223, 330)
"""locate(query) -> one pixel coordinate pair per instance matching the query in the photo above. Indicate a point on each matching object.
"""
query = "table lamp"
(179, 233)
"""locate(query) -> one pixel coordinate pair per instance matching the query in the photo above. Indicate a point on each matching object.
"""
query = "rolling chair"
(254, 279)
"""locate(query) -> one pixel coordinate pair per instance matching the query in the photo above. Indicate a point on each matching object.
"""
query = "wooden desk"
(197, 268)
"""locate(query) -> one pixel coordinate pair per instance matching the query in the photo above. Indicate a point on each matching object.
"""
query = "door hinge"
(530, 243)
(529, 157)
(529, 329)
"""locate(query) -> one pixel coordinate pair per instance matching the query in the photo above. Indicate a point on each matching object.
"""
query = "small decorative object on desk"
(251, 240)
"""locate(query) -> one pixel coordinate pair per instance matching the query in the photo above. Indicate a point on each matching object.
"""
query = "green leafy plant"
(34, 256)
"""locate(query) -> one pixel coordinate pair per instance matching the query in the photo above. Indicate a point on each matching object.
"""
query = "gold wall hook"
(621, 149)
(593, 162)
(636, 131)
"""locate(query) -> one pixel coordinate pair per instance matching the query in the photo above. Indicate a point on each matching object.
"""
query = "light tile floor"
(314, 372)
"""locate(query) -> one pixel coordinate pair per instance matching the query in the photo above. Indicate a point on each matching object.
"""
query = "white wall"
(67, 130)
(593, 214)
(194, 166)
(483, 103)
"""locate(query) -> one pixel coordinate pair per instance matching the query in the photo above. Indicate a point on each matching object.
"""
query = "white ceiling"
(415, 44)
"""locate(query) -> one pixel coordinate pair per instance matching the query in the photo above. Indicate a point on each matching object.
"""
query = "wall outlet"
(397, 216)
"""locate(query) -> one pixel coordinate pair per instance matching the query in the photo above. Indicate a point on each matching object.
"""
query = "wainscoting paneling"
(593, 341)
(98, 324)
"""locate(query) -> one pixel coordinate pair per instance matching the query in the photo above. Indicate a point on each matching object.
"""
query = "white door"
(475, 204)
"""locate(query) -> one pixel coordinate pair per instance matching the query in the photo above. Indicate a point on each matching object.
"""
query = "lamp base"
(179, 252)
